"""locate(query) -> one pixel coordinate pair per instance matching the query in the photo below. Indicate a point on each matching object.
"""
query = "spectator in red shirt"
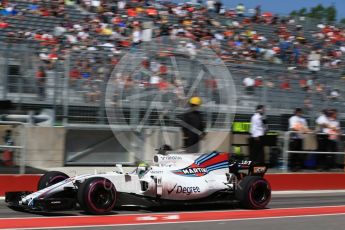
(211, 87)
(44, 12)
(285, 85)
(163, 85)
(3, 24)
(41, 80)
(258, 81)
(131, 12)
(163, 69)
(146, 64)
(303, 84)
(211, 83)
(152, 12)
(53, 56)
(74, 75)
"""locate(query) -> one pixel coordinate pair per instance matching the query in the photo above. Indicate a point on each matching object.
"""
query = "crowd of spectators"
(231, 33)
(309, 84)
(236, 35)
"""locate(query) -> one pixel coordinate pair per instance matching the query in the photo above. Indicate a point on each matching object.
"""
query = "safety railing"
(287, 151)
(22, 147)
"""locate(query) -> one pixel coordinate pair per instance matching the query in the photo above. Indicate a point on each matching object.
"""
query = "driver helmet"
(142, 168)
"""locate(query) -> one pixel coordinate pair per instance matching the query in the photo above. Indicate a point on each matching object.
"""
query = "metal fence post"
(56, 83)
(22, 167)
(101, 110)
(66, 89)
(20, 88)
(135, 109)
(5, 79)
(264, 93)
(286, 152)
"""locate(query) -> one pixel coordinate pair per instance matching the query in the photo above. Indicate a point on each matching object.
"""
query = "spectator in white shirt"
(154, 80)
(249, 84)
(190, 47)
(136, 36)
(321, 125)
(210, 4)
(95, 4)
(333, 132)
(108, 44)
(299, 126)
(334, 95)
(257, 132)
(121, 5)
(59, 30)
(240, 9)
(314, 61)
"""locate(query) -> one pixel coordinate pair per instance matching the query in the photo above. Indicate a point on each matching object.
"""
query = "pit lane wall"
(52, 147)
(279, 182)
(45, 146)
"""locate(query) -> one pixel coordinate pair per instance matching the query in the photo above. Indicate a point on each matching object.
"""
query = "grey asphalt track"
(299, 223)
(278, 201)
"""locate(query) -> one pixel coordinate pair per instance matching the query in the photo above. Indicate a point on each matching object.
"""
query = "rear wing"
(254, 168)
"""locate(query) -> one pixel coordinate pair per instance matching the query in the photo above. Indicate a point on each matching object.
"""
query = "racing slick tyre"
(253, 192)
(97, 195)
(51, 178)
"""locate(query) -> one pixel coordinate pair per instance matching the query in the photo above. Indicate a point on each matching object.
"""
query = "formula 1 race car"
(173, 178)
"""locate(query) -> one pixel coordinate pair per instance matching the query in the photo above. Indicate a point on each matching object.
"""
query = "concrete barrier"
(45, 146)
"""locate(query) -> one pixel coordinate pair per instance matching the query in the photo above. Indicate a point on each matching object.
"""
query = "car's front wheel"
(97, 195)
(51, 178)
(253, 192)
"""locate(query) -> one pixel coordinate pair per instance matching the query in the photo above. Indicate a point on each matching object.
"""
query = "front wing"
(13, 199)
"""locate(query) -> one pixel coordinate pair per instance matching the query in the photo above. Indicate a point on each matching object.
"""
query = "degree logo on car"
(184, 190)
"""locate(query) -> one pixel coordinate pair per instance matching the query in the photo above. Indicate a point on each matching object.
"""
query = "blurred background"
(57, 58)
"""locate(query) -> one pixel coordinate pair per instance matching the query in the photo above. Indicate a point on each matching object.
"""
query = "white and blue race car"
(173, 178)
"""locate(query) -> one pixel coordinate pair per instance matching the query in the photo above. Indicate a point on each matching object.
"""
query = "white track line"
(163, 213)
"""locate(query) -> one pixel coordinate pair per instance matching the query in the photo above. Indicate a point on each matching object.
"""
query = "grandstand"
(78, 46)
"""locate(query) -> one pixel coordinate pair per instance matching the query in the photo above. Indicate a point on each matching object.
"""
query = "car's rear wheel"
(253, 192)
(51, 178)
(97, 195)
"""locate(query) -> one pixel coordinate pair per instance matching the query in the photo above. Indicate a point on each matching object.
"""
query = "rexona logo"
(184, 190)
(171, 158)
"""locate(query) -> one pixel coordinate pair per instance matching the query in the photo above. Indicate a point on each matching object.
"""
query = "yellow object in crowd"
(187, 23)
(106, 31)
(139, 10)
(195, 101)
(249, 33)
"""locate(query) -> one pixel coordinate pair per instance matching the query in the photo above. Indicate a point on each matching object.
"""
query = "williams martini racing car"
(173, 178)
